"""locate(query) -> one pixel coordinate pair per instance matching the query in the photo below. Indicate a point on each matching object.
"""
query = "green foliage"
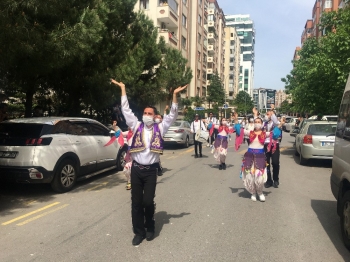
(61, 55)
(216, 91)
(244, 103)
(286, 107)
(318, 78)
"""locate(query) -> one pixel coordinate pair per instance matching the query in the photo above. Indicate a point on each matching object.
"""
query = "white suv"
(56, 150)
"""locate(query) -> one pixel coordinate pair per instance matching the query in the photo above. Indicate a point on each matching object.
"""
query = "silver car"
(315, 141)
(179, 133)
(290, 125)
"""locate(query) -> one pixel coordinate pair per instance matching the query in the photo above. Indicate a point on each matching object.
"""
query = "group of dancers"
(262, 136)
(146, 144)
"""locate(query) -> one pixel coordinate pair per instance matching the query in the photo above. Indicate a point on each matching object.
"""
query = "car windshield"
(322, 129)
(288, 120)
(176, 123)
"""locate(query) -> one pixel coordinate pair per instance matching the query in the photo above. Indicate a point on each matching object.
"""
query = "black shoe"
(196, 156)
(200, 155)
(149, 235)
(268, 184)
(220, 167)
(224, 166)
(276, 184)
(137, 240)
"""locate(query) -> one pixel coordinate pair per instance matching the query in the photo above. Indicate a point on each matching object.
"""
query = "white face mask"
(267, 118)
(251, 120)
(157, 120)
(148, 120)
(257, 126)
(224, 123)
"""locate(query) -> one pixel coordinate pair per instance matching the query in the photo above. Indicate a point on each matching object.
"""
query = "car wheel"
(345, 219)
(296, 152)
(121, 158)
(187, 142)
(302, 161)
(65, 176)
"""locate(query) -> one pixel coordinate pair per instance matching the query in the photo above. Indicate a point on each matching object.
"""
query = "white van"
(340, 177)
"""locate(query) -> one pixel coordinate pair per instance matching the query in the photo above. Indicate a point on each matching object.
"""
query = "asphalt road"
(202, 214)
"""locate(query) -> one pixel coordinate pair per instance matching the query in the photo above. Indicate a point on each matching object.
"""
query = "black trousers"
(143, 189)
(196, 145)
(274, 160)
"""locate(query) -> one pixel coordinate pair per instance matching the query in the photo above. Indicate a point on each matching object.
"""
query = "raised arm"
(273, 116)
(171, 117)
(130, 118)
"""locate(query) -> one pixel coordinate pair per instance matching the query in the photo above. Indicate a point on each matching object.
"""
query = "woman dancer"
(221, 143)
(254, 161)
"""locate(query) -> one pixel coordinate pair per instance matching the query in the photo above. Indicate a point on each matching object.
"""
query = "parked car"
(56, 150)
(289, 126)
(179, 133)
(287, 118)
(340, 177)
(315, 140)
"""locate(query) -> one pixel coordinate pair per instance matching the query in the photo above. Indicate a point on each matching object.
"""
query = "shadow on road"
(242, 192)
(19, 196)
(326, 212)
(216, 166)
(162, 218)
(322, 163)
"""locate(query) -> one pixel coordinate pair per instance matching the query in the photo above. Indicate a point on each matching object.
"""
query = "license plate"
(8, 154)
(327, 143)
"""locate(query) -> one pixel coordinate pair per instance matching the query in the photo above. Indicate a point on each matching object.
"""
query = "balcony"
(169, 37)
(167, 15)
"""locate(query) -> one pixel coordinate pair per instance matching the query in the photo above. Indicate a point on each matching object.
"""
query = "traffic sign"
(199, 108)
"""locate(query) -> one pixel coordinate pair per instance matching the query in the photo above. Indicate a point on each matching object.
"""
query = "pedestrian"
(249, 127)
(272, 149)
(221, 142)
(254, 170)
(147, 145)
(197, 126)
(210, 121)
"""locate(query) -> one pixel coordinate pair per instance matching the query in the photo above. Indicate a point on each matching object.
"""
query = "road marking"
(99, 185)
(189, 150)
(29, 214)
(285, 148)
(242, 152)
(172, 157)
(41, 215)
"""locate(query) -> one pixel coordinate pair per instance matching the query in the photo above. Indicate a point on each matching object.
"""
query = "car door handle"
(99, 141)
(77, 143)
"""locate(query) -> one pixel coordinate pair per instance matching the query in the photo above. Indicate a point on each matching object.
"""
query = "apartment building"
(308, 31)
(182, 24)
(232, 62)
(246, 33)
(263, 98)
(281, 96)
(216, 40)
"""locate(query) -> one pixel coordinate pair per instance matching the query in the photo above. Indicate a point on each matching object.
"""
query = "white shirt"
(146, 157)
(212, 119)
(196, 125)
(269, 125)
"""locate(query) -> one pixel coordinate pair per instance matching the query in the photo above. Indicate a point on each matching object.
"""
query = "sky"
(278, 28)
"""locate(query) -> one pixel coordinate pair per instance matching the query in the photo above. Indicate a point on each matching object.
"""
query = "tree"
(244, 103)
(216, 91)
(318, 78)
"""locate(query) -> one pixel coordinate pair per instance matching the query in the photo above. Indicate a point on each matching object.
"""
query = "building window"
(199, 38)
(204, 75)
(204, 58)
(184, 20)
(204, 91)
(144, 4)
(232, 51)
(231, 34)
(199, 55)
(198, 91)
(184, 2)
(200, 2)
(231, 68)
(231, 76)
(183, 42)
(198, 74)
(231, 60)
(232, 42)
(199, 20)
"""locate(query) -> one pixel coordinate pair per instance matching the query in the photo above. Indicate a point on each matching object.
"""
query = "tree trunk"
(29, 103)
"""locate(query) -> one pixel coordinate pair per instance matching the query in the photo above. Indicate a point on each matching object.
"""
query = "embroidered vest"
(138, 141)
(261, 137)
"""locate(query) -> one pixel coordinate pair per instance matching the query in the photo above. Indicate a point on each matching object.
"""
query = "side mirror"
(294, 132)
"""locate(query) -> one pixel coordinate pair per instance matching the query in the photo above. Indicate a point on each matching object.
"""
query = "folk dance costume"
(221, 144)
(128, 160)
(272, 150)
(146, 146)
(254, 172)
